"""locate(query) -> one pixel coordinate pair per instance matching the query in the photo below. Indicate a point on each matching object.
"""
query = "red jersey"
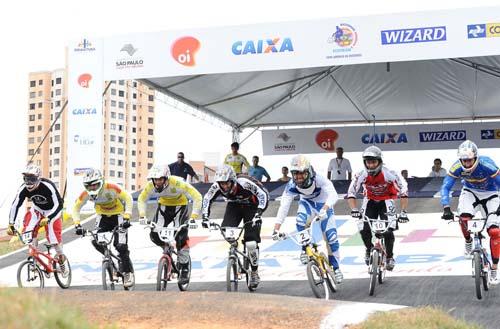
(387, 184)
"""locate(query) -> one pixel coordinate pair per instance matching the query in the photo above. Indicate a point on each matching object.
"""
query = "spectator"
(404, 173)
(257, 171)
(338, 167)
(182, 169)
(437, 171)
(285, 177)
(236, 160)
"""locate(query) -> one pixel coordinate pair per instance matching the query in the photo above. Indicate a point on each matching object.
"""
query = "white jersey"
(321, 191)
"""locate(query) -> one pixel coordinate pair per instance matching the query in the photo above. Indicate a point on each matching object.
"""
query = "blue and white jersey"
(321, 192)
(485, 177)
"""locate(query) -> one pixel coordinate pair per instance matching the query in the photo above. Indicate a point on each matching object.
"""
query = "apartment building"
(128, 138)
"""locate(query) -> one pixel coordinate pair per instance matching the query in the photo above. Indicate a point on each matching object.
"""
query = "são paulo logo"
(184, 50)
(263, 46)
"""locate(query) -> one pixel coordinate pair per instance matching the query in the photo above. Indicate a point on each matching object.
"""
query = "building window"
(112, 138)
(150, 165)
(120, 162)
(39, 139)
(56, 162)
(150, 132)
(32, 94)
(133, 152)
(151, 98)
(40, 105)
(120, 127)
(113, 92)
(150, 143)
(134, 84)
(40, 93)
(112, 126)
(39, 128)
(31, 152)
(40, 82)
(31, 140)
(150, 120)
(121, 105)
(32, 117)
(56, 173)
(112, 162)
(133, 164)
(39, 115)
(133, 187)
(57, 126)
(113, 103)
(113, 115)
(134, 141)
(57, 149)
(120, 174)
(32, 106)
(112, 173)
(120, 139)
(120, 151)
(134, 107)
(121, 82)
(133, 175)
(57, 138)
(112, 150)
(134, 96)
(58, 92)
(58, 81)
(121, 93)
(58, 103)
(150, 155)
(121, 116)
(134, 129)
(32, 83)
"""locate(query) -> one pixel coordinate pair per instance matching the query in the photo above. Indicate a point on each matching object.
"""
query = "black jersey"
(45, 198)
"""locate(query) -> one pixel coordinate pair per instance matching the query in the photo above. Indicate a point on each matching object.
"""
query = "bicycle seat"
(48, 246)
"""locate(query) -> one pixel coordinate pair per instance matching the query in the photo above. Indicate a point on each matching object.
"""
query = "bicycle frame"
(108, 253)
(37, 255)
(233, 242)
(379, 231)
(168, 249)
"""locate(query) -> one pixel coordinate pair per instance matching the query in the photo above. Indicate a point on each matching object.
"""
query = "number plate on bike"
(379, 225)
(167, 233)
(27, 237)
(232, 232)
(475, 225)
(304, 236)
(103, 237)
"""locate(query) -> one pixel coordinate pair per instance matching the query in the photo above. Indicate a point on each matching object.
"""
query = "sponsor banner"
(389, 138)
(85, 119)
(302, 44)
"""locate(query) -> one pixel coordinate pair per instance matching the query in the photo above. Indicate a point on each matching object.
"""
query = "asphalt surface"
(454, 294)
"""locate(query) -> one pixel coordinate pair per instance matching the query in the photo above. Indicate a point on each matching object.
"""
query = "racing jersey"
(176, 193)
(321, 191)
(110, 201)
(45, 198)
(246, 191)
(387, 184)
(485, 177)
(236, 161)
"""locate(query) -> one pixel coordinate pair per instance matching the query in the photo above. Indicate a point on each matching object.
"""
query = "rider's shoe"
(128, 279)
(390, 264)
(493, 278)
(468, 250)
(338, 275)
(254, 279)
(62, 265)
(304, 259)
(183, 273)
(367, 257)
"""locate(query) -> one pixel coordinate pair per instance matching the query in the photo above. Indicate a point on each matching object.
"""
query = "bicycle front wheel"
(477, 263)
(63, 278)
(374, 259)
(163, 274)
(329, 276)
(232, 274)
(107, 276)
(29, 275)
(183, 287)
(316, 280)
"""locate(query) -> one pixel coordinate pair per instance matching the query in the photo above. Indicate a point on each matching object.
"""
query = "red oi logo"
(84, 80)
(184, 50)
(326, 139)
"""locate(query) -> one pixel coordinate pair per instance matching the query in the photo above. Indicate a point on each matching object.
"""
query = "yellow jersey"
(236, 161)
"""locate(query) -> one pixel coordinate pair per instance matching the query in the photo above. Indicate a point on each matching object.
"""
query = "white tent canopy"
(400, 91)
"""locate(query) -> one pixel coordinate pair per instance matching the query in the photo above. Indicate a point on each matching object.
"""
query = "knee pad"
(301, 219)
(253, 252)
(331, 236)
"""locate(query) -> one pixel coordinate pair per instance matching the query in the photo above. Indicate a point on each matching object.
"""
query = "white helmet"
(93, 181)
(32, 176)
(467, 151)
(373, 153)
(225, 173)
(159, 171)
(300, 164)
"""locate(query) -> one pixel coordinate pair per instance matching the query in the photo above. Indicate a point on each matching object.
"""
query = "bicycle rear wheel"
(317, 281)
(232, 274)
(107, 276)
(477, 263)
(164, 272)
(29, 275)
(183, 287)
(62, 279)
(374, 259)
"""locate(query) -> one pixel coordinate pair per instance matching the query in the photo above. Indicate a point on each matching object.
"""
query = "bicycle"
(40, 264)
(167, 268)
(481, 264)
(378, 255)
(238, 262)
(319, 271)
(110, 272)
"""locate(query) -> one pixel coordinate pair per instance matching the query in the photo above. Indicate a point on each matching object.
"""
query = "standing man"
(437, 171)
(339, 166)
(285, 177)
(257, 171)
(236, 160)
(182, 169)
